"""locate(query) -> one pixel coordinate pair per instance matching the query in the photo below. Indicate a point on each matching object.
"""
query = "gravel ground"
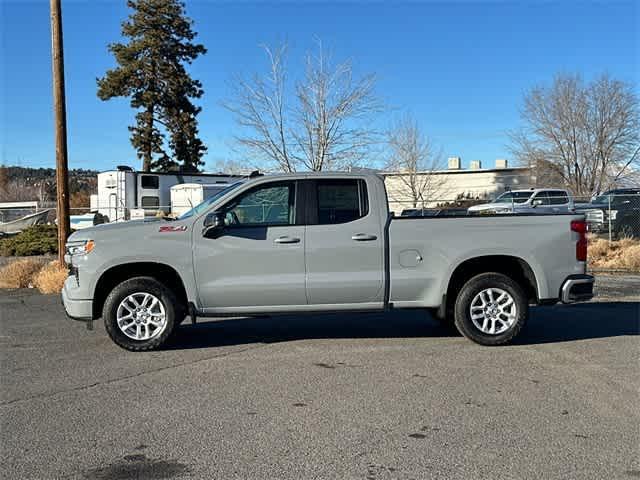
(337, 396)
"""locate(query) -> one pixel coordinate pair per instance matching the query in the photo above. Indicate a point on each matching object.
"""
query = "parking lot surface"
(366, 396)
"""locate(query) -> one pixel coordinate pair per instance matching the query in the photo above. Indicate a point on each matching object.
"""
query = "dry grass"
(21, 273)
(619, 255)
(51, 278)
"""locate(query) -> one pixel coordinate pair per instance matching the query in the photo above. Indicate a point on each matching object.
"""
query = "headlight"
(613, 214)
(80, 248)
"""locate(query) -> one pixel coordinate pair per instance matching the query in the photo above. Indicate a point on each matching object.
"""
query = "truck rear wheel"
(140, 314)
(491, 309)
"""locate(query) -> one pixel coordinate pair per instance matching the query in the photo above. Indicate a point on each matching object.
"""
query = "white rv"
(122, 190)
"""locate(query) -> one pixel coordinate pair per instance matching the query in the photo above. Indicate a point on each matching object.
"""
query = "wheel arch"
(511, 266)
(119, 273)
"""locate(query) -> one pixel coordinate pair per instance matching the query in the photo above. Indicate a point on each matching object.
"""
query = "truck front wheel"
(491, 309)
(139, 314)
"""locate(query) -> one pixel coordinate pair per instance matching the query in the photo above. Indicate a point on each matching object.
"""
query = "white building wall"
(447, 185)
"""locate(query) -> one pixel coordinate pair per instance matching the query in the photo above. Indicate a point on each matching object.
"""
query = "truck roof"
(328, 174)
(536, 190)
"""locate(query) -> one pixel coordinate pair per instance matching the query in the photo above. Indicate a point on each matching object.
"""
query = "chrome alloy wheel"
(493, 311)
(141, 316)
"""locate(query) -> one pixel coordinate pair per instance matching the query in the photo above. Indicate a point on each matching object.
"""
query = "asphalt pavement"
(359, 396)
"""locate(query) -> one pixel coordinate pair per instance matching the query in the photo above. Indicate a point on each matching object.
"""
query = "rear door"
(344, 243)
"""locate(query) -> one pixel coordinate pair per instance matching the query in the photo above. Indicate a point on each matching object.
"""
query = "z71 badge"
(172, 228)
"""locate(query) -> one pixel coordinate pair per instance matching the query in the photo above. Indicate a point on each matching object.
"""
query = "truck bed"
(424, 251)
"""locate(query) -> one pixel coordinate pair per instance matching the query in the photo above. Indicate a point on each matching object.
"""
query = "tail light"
(580, 227)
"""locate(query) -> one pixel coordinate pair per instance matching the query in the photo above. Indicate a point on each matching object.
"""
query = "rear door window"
(341, 201)
(558, 198)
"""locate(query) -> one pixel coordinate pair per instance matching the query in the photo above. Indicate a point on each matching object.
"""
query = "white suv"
(535, 200)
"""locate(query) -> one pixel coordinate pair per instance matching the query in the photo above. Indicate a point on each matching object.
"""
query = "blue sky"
(460, 68)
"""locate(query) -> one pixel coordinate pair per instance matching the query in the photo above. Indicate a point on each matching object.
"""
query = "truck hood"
(98, 231)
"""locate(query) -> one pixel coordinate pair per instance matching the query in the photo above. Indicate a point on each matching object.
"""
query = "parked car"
(433, 212)
(617, 209)
(321, 242)
(535, 200)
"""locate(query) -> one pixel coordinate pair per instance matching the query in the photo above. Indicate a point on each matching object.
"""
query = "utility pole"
(62, 182)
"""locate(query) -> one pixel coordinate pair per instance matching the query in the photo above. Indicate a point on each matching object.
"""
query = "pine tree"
(4, 178)
(184, 140)
(151, 71)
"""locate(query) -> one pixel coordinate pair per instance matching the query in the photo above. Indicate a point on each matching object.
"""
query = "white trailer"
(185, 196)
(123, 189)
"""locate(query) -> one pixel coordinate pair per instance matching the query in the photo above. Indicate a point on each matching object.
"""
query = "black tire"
(140, 285)
(468, 293)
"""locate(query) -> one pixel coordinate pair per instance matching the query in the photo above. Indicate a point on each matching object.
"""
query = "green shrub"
(36, 240)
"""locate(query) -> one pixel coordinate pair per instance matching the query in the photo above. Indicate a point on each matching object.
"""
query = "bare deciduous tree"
(584, 136)
(412, 155)
(233, 167)
(19, 190)
(334, 112)
(259, 108)
(324, 124)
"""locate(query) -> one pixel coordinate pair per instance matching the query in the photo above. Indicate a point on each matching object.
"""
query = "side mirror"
(536, 203)
(213, 221)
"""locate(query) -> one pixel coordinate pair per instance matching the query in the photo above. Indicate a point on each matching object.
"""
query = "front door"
(257, 259)
(344, 244)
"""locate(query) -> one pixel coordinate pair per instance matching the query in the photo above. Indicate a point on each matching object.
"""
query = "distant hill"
(25, 183)
(36, 174)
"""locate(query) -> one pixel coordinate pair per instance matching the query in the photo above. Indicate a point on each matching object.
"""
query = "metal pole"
(609, 216)
(62, 182)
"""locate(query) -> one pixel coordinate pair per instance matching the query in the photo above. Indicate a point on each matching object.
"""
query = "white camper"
(122, 190)
(185, 196)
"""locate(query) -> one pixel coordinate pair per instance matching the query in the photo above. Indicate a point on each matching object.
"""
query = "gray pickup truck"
(321, 242)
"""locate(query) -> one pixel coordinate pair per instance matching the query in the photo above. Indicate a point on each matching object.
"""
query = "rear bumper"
(76, 309)
(577, 288)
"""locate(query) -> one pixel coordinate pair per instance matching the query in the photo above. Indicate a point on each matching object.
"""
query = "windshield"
(515, 197)
(204, 205)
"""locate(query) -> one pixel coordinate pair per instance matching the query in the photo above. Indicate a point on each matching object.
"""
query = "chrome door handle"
(363, 237)
(286, 239)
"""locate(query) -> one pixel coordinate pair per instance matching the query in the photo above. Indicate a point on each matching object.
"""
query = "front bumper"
(577, 288)
(75, 309)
